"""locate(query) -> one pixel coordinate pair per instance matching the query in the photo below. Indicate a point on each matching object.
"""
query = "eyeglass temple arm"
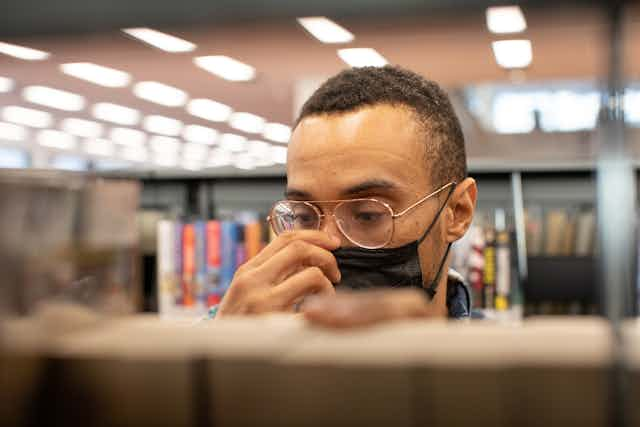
(439, 190)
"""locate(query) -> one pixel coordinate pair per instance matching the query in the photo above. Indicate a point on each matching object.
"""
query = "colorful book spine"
(178, 246)
(188, 264)
(241, 249)
(166, 266)
(214, 293)
(253, 239)
(229, 239)
(503, 271)
(476, 266)
(199, 290)
(489, 273)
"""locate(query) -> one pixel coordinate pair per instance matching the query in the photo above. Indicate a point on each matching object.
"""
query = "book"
(502, 270)
(585, 233)
(199, 283)
(489, 273)
(252, 239)
(214, 293)
(166, 265)
(556, 227)
(229, 254)
(188, 264)
(534, 230)
(178, 295)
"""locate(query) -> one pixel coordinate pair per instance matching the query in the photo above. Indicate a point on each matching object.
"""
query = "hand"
(294, 265)
(353, 309)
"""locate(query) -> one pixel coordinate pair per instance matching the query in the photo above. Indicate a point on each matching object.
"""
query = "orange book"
(253, 239)
(188, 264)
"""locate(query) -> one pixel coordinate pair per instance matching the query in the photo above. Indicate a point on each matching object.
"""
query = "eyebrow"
(368, 186)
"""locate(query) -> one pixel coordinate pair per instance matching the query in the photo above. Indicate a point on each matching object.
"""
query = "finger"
(314, 237)
(356, 309)
(306, 282)
(295, 257)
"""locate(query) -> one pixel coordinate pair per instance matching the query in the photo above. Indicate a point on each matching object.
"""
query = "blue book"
(228, 252)
(200, 291)
(178, 259)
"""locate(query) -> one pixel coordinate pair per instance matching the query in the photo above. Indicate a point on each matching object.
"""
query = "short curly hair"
(360, 87)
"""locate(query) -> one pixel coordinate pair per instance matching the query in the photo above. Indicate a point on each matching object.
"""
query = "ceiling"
(456, 51)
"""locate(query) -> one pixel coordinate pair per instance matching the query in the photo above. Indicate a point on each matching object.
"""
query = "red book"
(188, 263)
(213, 263)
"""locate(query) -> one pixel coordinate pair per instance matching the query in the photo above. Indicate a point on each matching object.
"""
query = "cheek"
(407, 230)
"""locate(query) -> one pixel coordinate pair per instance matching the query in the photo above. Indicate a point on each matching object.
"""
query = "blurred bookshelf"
(559, 228)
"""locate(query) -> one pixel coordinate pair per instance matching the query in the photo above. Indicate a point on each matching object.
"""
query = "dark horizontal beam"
(19, 18)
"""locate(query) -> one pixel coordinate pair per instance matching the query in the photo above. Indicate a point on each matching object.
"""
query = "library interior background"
(142, 148)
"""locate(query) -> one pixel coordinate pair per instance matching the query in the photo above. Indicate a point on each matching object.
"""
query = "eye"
(304, 219)
(368, 217)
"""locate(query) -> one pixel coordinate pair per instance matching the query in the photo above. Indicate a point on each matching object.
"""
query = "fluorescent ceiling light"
(513, 53)
(162, 125)
(56, 139)
(259, 149)
(6, 84)
(219, 158)
(505, 19)
(247, 122)
(279, 155)
(125, 136)
(162, 41)
(165, 159)
(244, 161)
(12, 132)
(115, 113)
(191, 165)
(277, 132)
(513, 113)
(362, 57)
(81, 127)
(164, 144)
(260, 152)
(22, 52)
(53, 98)
(232, 142)
(97, 74)
(195, 151)
(99, 147)
(160, 93)
(325, 30)
(209, 110)
(199, 134)
(27, 116)
(134, 154)
(226, 68)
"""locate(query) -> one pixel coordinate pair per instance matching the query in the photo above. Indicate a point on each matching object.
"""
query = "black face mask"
(388, 267)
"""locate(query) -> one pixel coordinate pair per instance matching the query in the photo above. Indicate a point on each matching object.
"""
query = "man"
(377, 191)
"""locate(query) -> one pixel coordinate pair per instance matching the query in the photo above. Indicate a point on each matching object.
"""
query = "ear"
(462, 206)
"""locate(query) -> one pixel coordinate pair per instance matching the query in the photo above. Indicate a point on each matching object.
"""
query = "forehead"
(330, 152)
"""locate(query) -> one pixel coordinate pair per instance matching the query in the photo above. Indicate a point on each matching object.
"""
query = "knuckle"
(287, 237)
(253, 305)
(299, 247)
(315, 273)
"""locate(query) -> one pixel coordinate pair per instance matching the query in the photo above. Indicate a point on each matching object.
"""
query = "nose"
(329, 226)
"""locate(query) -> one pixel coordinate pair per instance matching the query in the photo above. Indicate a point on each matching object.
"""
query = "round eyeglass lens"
(367, 223)
(294, 215)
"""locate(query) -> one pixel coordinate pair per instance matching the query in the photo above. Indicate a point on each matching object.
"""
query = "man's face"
(375, 152)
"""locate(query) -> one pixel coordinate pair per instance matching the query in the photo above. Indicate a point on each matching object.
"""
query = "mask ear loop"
(432, 288)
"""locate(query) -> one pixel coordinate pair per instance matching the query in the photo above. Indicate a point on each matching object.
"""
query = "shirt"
(458, 296)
